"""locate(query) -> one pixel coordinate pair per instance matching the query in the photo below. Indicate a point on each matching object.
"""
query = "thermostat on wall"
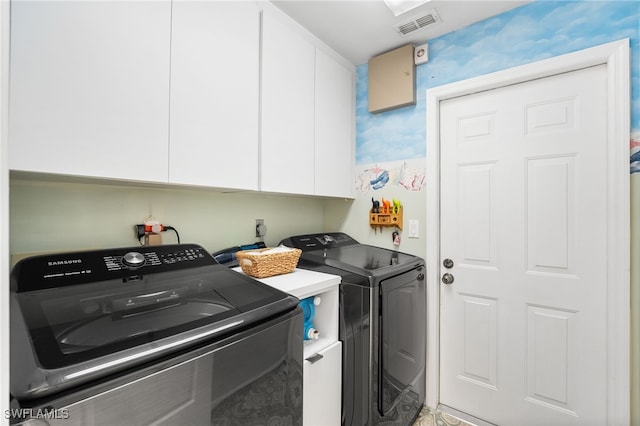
(421, 54)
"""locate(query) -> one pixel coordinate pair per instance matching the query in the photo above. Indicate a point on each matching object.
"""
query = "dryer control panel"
(319, 241)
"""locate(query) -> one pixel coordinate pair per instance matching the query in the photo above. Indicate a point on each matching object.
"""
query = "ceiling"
(360, 29)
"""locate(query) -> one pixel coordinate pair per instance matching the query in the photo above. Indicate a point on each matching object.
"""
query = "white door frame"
(616, 56)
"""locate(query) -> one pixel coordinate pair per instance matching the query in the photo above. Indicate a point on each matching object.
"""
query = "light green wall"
(353, 218)
(48, 215)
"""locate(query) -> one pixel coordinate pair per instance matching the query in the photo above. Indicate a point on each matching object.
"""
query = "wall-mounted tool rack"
(387, 216)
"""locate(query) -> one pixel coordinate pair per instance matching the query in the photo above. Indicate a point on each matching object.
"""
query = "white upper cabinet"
(185, 92)
(215, 77)
(307, 138)
(287, 141)
(89, 84)
(334, 116)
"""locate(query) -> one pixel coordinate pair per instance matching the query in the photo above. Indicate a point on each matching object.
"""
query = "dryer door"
(402, 355)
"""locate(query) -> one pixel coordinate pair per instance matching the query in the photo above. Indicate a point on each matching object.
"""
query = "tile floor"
(431, 417)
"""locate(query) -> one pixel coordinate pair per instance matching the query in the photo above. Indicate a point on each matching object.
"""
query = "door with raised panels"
(524, 225)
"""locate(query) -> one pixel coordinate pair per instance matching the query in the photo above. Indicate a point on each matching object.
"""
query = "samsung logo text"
(64, 262)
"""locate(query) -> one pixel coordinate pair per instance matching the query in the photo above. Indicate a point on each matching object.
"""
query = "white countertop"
(300, 283)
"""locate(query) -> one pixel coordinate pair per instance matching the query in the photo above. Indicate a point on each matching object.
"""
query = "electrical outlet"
(139, 231)
(261, 229)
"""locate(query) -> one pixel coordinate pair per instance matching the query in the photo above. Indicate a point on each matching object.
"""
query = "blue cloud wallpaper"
(532, 32)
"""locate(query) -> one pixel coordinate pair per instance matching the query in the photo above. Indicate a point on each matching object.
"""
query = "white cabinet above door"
(89, 84)
(215, 66)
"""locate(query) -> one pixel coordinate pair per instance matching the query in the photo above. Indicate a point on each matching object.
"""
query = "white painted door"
(524, 219)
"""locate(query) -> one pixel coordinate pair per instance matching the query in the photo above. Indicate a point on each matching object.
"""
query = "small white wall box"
(421, 54)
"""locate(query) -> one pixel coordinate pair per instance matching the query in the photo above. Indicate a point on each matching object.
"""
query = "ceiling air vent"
(422, 20)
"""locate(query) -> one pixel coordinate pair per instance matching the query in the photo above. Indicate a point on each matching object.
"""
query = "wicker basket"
(268, 265)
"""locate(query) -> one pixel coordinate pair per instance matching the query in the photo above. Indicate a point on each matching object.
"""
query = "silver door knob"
(447, 278)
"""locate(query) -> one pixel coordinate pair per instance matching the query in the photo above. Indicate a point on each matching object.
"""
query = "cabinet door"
(89, 88)
(322, 397)
(215, 94)
(334, 114)
(287, 146)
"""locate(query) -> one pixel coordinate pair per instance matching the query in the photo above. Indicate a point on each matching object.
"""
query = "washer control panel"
(56, 270)
(133, 260)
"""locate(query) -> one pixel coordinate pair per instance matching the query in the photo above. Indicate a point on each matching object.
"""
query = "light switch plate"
(414, 228)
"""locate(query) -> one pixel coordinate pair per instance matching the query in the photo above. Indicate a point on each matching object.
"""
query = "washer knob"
(133, 258)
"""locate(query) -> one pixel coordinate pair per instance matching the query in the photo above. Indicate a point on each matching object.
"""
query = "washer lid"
(361, 258)
(74, 324)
